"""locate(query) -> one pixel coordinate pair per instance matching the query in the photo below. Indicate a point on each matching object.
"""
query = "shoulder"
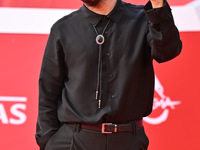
(133, 11)
(133, 6)
(66, 20)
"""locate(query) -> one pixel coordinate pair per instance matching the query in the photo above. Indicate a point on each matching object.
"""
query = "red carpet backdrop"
(24, 28)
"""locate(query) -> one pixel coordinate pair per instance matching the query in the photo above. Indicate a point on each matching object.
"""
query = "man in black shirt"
(97, 78)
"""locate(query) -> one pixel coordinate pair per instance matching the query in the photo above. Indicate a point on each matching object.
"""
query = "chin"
(91, 2)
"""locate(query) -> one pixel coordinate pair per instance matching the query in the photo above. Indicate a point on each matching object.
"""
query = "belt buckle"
(107, 124)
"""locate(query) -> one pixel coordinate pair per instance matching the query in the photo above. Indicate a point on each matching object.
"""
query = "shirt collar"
(115, 15)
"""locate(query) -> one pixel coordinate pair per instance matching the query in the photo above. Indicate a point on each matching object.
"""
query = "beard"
(91, 2)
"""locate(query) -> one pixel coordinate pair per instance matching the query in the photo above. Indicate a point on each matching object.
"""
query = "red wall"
(69, 3)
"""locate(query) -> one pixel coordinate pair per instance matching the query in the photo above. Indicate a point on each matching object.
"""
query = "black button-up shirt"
(67, 86)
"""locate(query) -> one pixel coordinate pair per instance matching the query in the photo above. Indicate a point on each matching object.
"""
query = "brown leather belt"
(108, 128)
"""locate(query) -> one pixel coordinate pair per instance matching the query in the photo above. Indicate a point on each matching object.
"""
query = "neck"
(104, 7)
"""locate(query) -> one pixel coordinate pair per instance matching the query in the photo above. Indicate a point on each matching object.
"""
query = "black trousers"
(70, 137)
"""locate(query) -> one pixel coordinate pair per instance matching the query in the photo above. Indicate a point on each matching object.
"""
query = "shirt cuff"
(157, 15)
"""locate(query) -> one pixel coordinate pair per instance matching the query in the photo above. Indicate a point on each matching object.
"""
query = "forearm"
(162, 35)
(47, 123)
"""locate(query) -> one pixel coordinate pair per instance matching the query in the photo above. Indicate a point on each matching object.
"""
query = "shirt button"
(108, 54)
(113, 96)
(111, 75)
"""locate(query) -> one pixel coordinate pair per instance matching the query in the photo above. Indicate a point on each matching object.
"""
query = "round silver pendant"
(100, 39)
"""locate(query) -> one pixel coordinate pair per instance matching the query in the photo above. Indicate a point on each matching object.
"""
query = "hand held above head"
(157, 3)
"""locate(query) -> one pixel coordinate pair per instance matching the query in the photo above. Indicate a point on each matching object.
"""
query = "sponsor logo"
(162, 104)
(12, 110)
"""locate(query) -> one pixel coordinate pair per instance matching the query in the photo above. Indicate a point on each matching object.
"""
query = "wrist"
(157, 3)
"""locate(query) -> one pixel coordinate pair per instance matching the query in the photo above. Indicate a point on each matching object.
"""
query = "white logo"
(12, 110)
(164, 102)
